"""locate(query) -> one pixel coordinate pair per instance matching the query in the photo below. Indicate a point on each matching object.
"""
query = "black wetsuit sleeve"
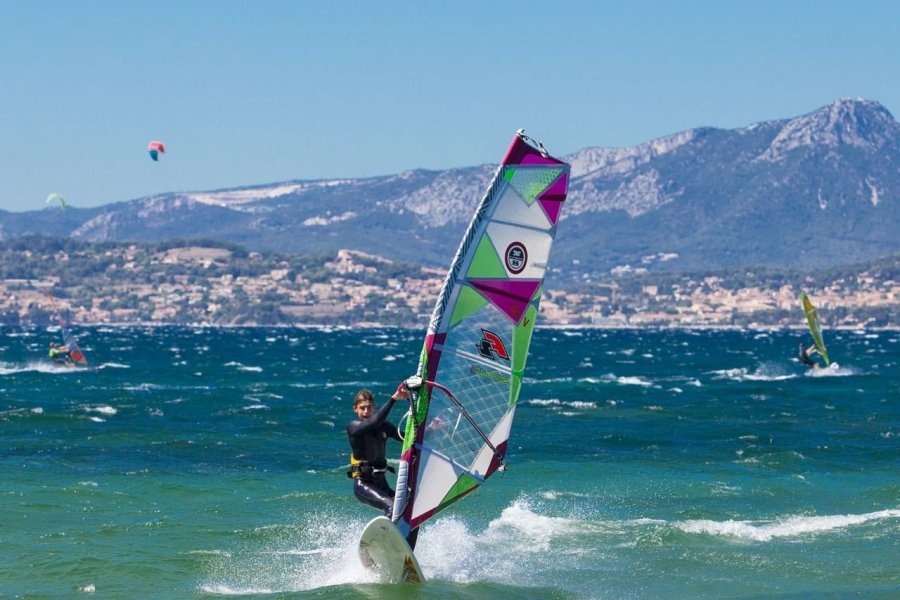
(357, 427)
(393, 432)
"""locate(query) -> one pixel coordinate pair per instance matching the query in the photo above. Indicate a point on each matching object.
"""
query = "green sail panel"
(466, 483)
(486, 263)
(515, 386)
(531, 183)
(467, 303)
(812, 319)
(521, 343)
(522, 339)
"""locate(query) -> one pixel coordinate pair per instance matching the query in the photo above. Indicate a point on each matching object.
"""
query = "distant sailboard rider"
(806, 353)
(59, 354)
(815, 330)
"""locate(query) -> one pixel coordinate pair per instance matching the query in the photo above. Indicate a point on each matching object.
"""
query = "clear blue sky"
(259, 91)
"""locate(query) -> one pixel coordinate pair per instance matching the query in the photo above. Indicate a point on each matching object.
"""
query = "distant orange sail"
(155, 148)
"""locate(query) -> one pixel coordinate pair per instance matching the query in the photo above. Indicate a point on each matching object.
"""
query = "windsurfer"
(368, 436)
(59, 354)
(805, 356)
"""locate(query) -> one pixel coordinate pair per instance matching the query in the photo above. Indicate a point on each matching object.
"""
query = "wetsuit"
(805, 359)
(57, 355)
(368, 465)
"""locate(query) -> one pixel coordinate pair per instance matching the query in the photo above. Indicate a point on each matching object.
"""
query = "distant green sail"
(54, 198)
(814, 328)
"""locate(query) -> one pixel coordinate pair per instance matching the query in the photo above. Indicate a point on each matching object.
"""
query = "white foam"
(512, 549)
(833, 370)
(525, 525)
(36, 366)
(789, 527)
(555, 403)
(624, 380)
(242, 367)
(320, 551)
(550, 402)
(765, 372)
(582, 404)
(634, 381)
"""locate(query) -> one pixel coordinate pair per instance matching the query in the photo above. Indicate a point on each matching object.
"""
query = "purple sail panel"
(521, 152)
(511, 296)
(554, 196)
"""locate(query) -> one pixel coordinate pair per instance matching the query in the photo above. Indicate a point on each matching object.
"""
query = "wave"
(512, 549)
(243, 367)
(553, 402)
(37, 367)
(338, 384)
(320, 551)
(530, 380)
(22, 412)
(833, 370)
(788, 527)
(764, 372)
(623, 380)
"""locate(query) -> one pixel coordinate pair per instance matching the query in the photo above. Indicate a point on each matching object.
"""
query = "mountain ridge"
(812, 191)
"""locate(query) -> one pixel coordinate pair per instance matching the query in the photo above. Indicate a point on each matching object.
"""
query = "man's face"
(364, 409)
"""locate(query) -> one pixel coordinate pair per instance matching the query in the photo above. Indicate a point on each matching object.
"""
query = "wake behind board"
(383, 549)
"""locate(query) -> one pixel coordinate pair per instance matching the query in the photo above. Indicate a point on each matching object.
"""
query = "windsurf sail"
(75, 353)
(814, 327)
(476, 346)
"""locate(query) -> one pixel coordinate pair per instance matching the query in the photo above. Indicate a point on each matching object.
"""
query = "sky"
(253, 92)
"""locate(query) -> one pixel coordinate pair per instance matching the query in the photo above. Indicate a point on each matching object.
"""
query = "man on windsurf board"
(368, 435)
(59, 354)
(805, 356)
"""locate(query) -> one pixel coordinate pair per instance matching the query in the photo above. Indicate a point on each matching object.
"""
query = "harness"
(362, 468)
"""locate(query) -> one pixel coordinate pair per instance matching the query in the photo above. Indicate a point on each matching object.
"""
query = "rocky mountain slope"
(813, 191)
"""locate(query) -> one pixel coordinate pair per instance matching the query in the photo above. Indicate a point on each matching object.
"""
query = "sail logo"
(516, 257)
(491, 346)
(492, 376)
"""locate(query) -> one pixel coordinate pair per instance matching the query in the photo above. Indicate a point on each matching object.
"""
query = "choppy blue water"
(210, 463)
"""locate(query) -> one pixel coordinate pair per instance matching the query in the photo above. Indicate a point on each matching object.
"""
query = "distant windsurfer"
(59, 354)
(368, 436)
(805, 354)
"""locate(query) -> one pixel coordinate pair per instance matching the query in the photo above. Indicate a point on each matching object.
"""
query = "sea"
(643, 464)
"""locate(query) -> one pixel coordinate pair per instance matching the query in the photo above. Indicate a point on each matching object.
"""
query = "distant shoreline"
(550, 326)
